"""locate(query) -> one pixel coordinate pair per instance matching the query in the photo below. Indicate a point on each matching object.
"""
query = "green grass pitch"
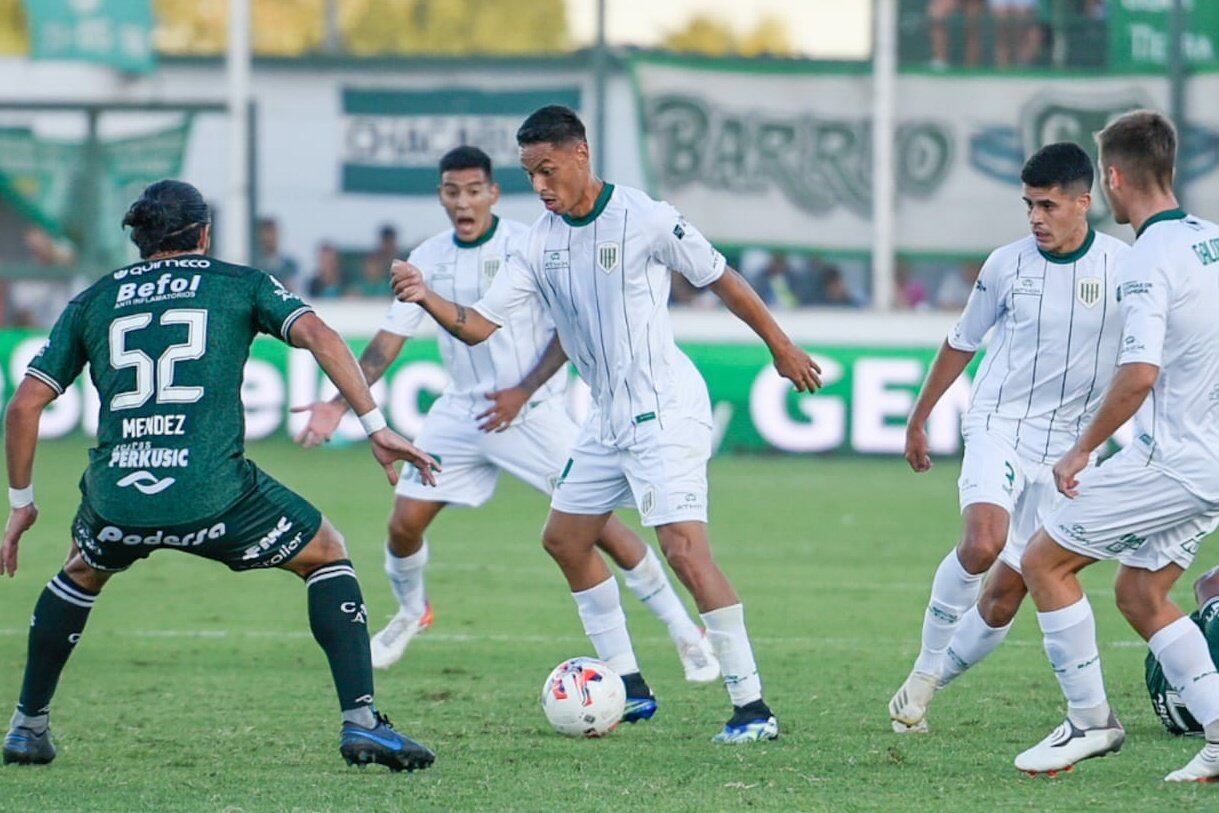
(198, 689)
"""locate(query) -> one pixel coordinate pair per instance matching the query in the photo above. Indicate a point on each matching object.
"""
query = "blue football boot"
(640, 702)
(752, 722)
(24, 746)
(382, 745)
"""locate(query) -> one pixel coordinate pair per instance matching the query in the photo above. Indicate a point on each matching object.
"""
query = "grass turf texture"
(198, 689)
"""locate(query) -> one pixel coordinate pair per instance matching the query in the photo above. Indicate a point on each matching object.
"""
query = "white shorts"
(663, 473)
(1135, 513)
(533, 450)
(993, 473)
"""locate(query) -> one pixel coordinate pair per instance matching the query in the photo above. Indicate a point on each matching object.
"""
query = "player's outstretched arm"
(1127, 392)
(464, 323)
(506, 404)
(792, 363)
(20, 442)
(324, 416)
(948, 365)
(335, 358)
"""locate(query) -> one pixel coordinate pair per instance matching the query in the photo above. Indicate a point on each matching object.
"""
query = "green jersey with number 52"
(167, 342)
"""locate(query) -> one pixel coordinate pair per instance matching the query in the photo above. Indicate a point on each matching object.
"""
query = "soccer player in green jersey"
(166, 341)
(1166, 699)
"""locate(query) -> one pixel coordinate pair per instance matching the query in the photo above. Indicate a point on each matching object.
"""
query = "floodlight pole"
(236, 232)
(1178, 71)
(884, 142)
(599, 68)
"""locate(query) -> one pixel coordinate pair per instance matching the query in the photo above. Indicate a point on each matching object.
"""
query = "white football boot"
(908, 708)
(697, 659)
(1204, 767)
(1069, 744)
(389, 644)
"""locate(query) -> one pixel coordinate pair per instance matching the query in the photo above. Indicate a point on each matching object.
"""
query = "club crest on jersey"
(1089, 291)
(490, 268)
(607, 256)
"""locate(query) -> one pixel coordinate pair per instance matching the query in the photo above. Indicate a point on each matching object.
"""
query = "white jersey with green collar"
(462, 272)
(1169, 296)
(604, 279)
(1057, 328)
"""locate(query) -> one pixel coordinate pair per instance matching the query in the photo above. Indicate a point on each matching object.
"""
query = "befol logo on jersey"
(146, 482)
(607, 256)
(1089, 291)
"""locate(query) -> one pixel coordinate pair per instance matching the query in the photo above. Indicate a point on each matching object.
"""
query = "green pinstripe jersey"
(166, 342)
(1166, 700)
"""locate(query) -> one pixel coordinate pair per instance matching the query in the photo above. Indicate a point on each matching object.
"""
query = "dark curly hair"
(169, 216)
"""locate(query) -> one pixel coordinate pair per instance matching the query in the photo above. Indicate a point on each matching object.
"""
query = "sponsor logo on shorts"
(111, 533)
(1125, 543)
(1076, 532)
(272, 536)
(146, 482)
(1009, 474)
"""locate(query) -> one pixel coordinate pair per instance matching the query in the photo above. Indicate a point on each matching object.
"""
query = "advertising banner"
(780, 155)
(113, 32)
(868, 392)
(1140, 34)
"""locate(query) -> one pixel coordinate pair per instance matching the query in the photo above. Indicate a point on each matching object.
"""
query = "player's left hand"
(798, 367)
(20, 520)
(1065, 471)
(324, 418)
(388, 446)
(505, 406)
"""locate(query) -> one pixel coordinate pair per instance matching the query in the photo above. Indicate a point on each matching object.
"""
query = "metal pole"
(333, 41)
(1177, 77)
(884, 165)
(599, 145)
(236, 235)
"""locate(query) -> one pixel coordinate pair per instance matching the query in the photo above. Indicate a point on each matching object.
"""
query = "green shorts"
(266, 527)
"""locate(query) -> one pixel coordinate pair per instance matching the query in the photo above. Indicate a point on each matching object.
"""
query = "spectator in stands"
(938, 12)
(269, 259)
(956, 286)
(327, 281)
(36, 301)
(784, 282)
(373, 281)
(834, 290)
(910, 292)
(1018, 32)
(387, 248)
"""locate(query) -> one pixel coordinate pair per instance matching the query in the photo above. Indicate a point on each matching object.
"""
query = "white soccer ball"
(583, 698)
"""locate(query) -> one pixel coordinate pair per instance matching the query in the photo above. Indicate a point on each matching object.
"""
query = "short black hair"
(466, 157)
(552, 124)
(169, 216)
(1064, 165)
(387, 232)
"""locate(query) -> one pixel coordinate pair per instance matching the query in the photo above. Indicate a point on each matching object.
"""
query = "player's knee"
(89, 578)
(330, 545)
(684, 549)
(999, 607)
(405, 534)
(556, 544)
(1137, 600)
(978, 551)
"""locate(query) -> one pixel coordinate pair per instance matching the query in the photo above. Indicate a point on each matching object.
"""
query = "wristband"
(373, 421)
(21, 497)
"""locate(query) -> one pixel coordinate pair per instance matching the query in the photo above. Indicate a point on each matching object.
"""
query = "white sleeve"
(403, 318)
(682, 248)
(1143, 294)
(986, 304)
(512, 287)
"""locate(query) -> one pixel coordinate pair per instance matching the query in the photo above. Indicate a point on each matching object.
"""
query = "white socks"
(601, 612)
(1184, 655)
(953, 591)
(973, 640)
(406, 580)
(1070, 643)
(647, 580)
(730, 642)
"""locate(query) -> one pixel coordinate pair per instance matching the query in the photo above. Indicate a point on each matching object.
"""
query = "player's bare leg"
(58, 622)
(1183, 653)
(688, 551)
(1091, 729)
(406, 556)
(954, 591)
(645, 577)
(339, 621)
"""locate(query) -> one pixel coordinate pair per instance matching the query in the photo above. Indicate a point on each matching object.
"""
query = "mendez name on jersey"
(1169, 297)
(166, 343)
(1057, 329)
(462, 272)
(604, 279)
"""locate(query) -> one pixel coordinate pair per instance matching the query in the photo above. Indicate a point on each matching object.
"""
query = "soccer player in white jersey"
(1152, 503)
(502, 412)
(1049, 299)
(600, 261)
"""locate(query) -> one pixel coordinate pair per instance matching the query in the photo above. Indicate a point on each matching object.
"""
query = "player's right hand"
(20, 520)
(407, 281)
(388, 446)
(917, 449)
(798, 367)
(324, 417)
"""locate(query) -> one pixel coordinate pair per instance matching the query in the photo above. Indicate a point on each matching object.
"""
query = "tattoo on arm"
(460, 321)
(373, 362)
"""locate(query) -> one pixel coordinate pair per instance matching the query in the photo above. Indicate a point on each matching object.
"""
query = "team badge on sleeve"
(1089, 291)
(607, 256)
